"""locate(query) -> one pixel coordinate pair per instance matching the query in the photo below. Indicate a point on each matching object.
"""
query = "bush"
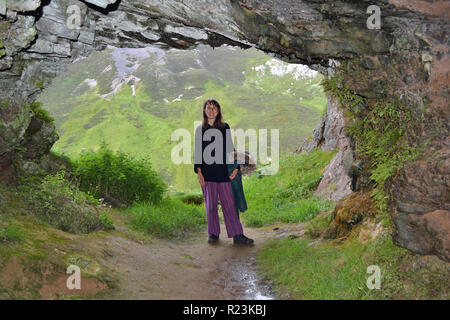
(386, 133)
(107, 222)
(118, 177)
(56, 201)
(190, 197)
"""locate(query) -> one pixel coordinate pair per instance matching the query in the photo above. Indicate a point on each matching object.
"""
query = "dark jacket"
(237, 188)
(216, 172)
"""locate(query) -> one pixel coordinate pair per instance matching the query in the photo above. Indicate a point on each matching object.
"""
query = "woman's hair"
(218, 123)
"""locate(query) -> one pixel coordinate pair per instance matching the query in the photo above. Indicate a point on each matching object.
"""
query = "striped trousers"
(212, 191)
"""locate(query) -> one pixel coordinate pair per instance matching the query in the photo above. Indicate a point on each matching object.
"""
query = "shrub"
(56, 201)
(107, 222)
(118, 176)
(190, 198)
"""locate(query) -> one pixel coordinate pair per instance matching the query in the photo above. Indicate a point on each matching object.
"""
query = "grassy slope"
(305, 270)
(287, 196)
(34, 254)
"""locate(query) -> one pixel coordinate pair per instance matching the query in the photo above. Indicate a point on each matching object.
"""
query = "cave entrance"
(117, 38)
(133, 99)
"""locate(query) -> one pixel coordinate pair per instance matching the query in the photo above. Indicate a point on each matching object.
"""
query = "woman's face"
(211, 111)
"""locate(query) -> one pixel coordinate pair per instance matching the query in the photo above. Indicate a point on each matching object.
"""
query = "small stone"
(3, 8)
(102, 3)
(188, 32)
(423, 39)
(6, 63)
(426, 57)
(86, 36)
(427, 68)
(23, 5)
(45, 25)
(41, 46)
(30, 168)
(62, 48)
(368, 63)
(408, 79)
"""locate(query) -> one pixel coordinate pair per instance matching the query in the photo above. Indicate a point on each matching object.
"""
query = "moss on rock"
(385, 130)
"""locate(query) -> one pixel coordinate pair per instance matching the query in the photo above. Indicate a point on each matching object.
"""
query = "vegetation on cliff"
(384, 130)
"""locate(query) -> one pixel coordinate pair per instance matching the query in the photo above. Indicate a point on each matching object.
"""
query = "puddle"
(242, 282)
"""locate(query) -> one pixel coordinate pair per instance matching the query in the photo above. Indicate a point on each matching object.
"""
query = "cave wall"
(330, 134)
(407, 57)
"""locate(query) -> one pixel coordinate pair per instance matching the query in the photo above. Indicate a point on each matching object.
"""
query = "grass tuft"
(171, 218)
(11, 233)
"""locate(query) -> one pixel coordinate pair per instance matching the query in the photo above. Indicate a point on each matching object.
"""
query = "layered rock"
(407, 57)
(330, 134)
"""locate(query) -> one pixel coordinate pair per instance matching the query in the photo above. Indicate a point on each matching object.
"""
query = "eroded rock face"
(408, 56)
(330, 134)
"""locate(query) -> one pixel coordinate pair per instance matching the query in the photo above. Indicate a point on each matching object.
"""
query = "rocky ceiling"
(310, 32)
(409, 52)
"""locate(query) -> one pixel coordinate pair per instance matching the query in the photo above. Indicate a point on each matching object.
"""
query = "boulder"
(429, 233)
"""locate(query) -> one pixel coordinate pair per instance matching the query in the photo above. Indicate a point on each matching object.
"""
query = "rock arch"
(407, 58)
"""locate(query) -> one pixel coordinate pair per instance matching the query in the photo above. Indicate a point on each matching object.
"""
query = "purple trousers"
(212, 191)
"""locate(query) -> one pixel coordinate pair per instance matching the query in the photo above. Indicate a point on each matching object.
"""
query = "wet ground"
(189, 269)
(240, 275)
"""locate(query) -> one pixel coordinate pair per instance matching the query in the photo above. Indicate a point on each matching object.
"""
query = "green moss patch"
(41, 113)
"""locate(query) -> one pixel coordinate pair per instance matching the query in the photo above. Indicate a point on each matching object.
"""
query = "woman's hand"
(233, 174)
(201, 180)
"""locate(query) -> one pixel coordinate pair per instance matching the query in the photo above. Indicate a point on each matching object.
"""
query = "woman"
(213, 174)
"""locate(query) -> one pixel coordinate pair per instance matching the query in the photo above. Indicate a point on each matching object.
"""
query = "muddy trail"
(128, 264)
(183, 269)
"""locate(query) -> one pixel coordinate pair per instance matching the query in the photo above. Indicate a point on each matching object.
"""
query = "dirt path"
(191, 269)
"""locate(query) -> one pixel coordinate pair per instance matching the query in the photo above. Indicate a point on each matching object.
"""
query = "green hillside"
(254, 90)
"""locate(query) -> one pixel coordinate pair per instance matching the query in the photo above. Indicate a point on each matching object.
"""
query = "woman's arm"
(198, 146)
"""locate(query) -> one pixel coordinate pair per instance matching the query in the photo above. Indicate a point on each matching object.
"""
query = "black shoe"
(241, 239)
(213, 238)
